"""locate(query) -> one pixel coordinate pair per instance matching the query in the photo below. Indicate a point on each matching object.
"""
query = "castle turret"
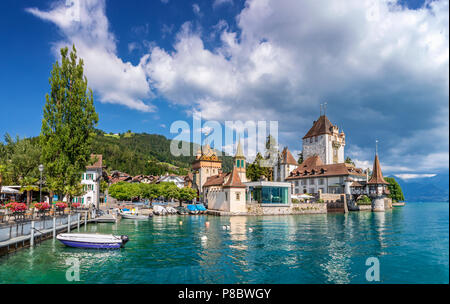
(240, 164)
(377, 186)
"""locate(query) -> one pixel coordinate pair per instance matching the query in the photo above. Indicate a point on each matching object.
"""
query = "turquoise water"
(411, 243)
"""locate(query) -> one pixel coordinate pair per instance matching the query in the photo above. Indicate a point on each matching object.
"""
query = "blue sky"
(382, 68)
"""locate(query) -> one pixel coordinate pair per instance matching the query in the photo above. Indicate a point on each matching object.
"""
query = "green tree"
(396, 193)
(187, 194)
(300, 158)
(68, 124)
(22, 161)
(255, 170)
(348, 160)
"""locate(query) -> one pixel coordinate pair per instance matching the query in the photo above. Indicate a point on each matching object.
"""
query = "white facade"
(178, 180)
(330, 148)
(280, 172)
(90, 181)
(327, 184)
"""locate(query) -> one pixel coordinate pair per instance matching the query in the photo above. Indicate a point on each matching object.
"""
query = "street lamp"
(41, 168)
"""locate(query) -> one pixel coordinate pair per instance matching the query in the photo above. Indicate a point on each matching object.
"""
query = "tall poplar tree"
(68, 125)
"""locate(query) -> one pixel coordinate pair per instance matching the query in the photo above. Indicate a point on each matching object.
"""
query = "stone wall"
(301, 208)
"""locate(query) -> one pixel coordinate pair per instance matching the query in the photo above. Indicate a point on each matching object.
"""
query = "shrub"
(295, 201)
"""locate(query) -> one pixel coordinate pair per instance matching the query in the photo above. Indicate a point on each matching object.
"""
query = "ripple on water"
(411, 244)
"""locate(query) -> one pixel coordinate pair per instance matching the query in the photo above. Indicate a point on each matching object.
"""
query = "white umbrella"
(8, 190)
(306, 196)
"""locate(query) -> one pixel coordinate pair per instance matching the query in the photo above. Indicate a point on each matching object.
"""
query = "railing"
(23, 228)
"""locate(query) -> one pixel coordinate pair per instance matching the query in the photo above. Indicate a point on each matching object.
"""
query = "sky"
(381, 66)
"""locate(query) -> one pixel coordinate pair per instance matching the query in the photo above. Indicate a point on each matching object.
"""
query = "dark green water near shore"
(411, 243)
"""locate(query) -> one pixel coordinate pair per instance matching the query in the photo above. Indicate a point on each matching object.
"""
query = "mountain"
(429, 189)
(142, 153)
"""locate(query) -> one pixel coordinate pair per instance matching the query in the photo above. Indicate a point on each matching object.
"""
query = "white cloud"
(217, 3)
(413, 176)
(196, 9)
(382, 68)
(85, 25)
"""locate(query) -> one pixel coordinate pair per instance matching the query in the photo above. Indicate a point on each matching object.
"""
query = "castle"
(323, 171)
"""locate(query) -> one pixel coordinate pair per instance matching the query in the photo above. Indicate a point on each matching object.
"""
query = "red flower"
(16, 206)
(76, 205)
(42, 206)
(61, 205)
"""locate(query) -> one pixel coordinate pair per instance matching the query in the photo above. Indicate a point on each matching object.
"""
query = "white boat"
(92, 240)
(134, 216)
(159, 210)
(171, 210)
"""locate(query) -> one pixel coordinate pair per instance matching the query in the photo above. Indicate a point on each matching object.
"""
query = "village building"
(226, 191)
(285, 164)
(179, 181)
(205, 165)
(90, 181)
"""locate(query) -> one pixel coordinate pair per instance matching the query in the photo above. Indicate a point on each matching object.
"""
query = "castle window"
(238, 196)
(237, 163)
(242, 163)
(315, 138)
(310, 140)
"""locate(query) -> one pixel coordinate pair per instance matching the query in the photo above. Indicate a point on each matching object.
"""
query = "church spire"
(377, 175)
(239, 152)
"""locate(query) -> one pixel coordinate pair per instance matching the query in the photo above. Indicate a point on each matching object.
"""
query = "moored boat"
(192, 209)
(92, 240)
(159, 210)
(135, 216)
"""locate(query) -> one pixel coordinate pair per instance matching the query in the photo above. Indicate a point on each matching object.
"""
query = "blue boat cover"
(192, 208)
(201, 207)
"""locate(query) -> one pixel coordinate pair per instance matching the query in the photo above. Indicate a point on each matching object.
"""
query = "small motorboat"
(92, 240)
(201, 208)
(135, 216)
(182, 210)
(192, 209)
(159, 210)
(171, 210)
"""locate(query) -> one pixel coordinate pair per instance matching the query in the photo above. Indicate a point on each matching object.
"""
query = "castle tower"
(377, 186)
(206, 164)
(240, 164)
(285, 165)
(325, 141)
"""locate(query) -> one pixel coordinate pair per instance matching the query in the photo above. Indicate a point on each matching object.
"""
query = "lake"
(411, 244)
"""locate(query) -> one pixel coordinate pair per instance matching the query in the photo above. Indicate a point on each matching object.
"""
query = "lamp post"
(41, 168)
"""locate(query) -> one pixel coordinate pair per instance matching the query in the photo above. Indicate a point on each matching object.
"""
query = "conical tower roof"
(377, 175)
(239, 152)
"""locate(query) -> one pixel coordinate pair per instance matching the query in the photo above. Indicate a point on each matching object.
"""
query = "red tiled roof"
(377, 175)
(287, 158)
(321, 126)
(98, 161)
(313, 166)
(234, 181)
(215, 180)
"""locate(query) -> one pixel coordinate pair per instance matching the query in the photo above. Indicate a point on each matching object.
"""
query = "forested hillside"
(142, 153)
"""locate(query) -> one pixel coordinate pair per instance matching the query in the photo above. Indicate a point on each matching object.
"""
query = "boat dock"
(27, 234)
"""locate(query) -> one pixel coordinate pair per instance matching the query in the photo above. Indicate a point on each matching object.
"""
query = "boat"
(181, 210)
(92, 240)
(192, 209)
(201, 208)
(106, 218)
(135, 216)
(159, 210)
(171, 210)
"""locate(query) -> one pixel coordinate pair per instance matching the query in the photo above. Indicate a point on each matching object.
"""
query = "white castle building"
(323, 168)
